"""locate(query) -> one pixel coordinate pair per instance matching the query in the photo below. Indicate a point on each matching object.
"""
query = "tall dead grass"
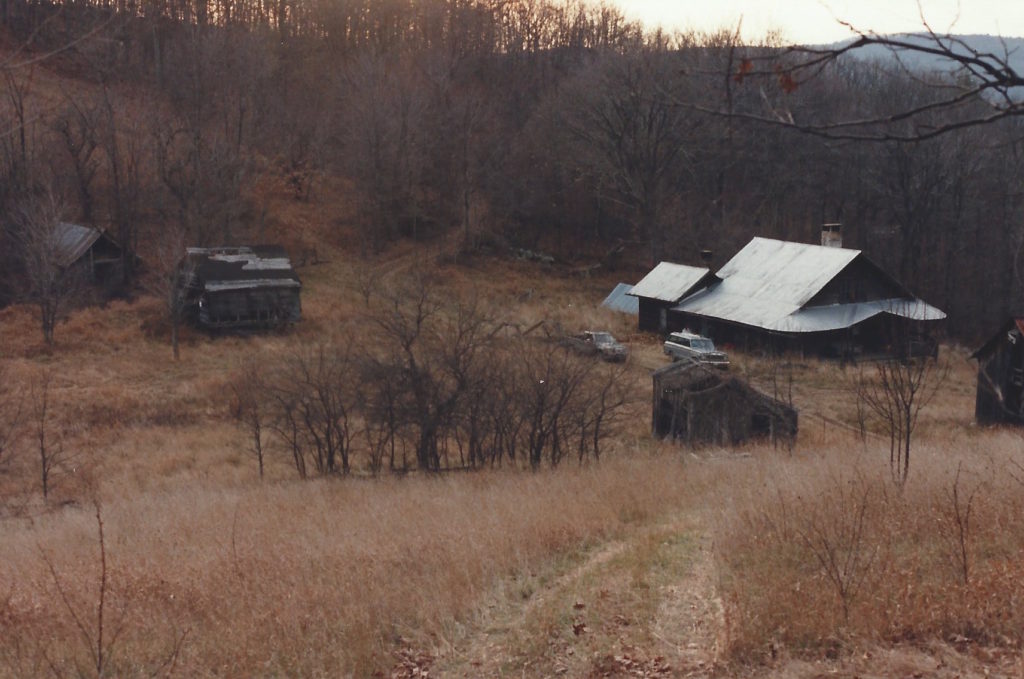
(821, 550)
(299, 579)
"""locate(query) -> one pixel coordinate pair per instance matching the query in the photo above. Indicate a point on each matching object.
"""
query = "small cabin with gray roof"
(662, 289)
(242, 287)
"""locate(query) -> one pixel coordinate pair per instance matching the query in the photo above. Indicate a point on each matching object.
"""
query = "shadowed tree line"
(551, 126)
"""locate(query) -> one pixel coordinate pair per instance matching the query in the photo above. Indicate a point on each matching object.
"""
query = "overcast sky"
(817, 21)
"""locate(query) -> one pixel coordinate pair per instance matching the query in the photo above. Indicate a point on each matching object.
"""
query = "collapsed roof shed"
(243, 287)
(694, 404)
(999, 398)
(662, 288)
(831, 297)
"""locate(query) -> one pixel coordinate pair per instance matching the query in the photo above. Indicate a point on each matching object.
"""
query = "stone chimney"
(832, 235)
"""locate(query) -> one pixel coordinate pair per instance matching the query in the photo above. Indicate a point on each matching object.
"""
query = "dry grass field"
(657, 561)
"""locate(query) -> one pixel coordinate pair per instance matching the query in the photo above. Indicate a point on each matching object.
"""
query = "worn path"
(641, 606)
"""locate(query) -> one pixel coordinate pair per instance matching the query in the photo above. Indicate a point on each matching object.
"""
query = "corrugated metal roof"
(769, 281)
(619, 300)
(236, 268)
(784, 273)
(73, 241)
(839, 316)
(669, 282)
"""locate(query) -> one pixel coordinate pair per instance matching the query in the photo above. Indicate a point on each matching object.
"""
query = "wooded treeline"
(552, 126)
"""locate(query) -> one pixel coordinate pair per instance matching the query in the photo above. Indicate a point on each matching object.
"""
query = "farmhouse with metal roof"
(825, 298)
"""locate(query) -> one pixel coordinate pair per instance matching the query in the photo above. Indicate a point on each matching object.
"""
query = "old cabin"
(1000, 393)
(696, 405)
(242, 287)
(821, 299)
(89, 250)
(662, 289)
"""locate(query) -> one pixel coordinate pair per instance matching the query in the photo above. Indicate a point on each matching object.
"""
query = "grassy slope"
(628, 569)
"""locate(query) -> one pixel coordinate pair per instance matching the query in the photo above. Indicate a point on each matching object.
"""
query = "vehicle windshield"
(702, 344)
(603, 338)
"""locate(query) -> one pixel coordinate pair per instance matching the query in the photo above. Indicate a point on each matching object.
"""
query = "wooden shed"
(242, 287)
(90, 250)
(1000, 392)
(696, 405)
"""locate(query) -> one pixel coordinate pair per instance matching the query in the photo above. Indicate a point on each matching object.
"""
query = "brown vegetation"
(137, 535)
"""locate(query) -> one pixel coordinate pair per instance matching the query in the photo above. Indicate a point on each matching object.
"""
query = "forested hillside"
(552, 126)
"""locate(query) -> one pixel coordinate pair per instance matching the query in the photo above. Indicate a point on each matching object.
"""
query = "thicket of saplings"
(819, 556)
(432, 385)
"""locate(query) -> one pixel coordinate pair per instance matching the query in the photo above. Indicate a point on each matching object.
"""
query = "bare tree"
(169, 275)
(52, 455)
(632, 134)
(895, 391)
(50, 282)
(978, 89)
(252, 409)
(11, 414)
(315, 394)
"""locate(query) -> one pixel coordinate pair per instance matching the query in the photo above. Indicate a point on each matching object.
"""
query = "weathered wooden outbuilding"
(694, 405)
(662, 289)
(1000, 393)
(89, 250)
(242, 287)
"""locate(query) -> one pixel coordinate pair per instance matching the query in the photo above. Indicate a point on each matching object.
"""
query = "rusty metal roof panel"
(73, 241)
(669, 282)
(620, 300)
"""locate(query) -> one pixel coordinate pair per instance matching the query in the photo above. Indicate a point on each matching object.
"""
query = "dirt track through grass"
(644, 605)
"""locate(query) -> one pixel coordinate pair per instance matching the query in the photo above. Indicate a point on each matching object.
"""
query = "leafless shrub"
(11, 414)
(314, 394)
(93, 628)
(429, 356)
(52, 456)
(895, 391)
(167, 277)
(956, 515)
(251, 409)
(834, 528)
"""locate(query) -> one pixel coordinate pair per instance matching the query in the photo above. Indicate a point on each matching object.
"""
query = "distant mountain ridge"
(1010, 48)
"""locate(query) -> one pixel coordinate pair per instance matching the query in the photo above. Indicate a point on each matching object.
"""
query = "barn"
(662, 289)
(242, 287)
(821, 299)
(1000, 392)
(694, 404)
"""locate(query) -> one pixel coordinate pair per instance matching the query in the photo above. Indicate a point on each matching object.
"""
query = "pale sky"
(817, 21)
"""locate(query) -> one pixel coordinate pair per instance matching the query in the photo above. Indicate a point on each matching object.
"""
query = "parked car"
(687, 345)
(601, 343)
